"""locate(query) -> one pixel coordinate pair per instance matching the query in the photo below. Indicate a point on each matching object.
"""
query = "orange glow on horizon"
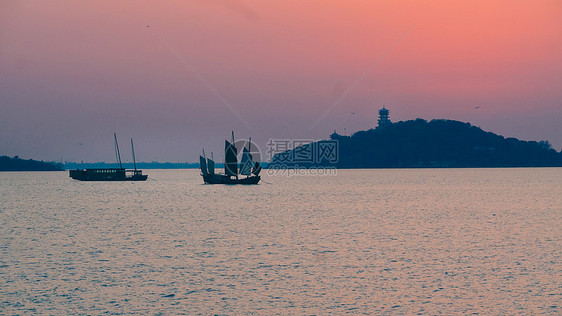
(283, 61)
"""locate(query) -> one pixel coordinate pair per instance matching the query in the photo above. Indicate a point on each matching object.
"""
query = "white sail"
(246, 163)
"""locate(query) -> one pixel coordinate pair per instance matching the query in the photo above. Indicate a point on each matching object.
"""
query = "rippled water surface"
(440, 241)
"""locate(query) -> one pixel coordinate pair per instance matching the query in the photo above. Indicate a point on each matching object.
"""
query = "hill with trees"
(435, 144)
(18, 164)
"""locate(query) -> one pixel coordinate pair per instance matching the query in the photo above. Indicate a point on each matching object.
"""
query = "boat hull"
(107, 175)
(223, 179)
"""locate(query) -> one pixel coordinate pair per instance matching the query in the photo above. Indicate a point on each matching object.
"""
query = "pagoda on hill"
(384, 119)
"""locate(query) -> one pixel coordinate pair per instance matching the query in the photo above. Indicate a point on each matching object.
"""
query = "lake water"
(432, 241)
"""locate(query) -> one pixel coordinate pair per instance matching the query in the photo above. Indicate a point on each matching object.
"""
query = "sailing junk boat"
(231, 171)
(111, 174)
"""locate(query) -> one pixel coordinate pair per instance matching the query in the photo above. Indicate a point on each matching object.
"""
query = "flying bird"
(477, 107)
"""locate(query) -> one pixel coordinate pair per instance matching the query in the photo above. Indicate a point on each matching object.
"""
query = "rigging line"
(205, 82)
(363, 76)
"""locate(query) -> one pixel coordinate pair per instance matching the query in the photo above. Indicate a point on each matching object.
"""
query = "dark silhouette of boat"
(111, 174)
(231, 171)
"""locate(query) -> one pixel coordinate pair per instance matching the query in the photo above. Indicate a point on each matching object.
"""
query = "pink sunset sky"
(74, 72)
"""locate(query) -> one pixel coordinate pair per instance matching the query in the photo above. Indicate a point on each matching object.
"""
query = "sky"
(179, 76)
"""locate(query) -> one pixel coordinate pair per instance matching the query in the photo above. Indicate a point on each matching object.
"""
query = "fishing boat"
(111, 174)
(232, 173)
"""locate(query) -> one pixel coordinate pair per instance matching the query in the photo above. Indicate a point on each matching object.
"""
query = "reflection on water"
(365, 241)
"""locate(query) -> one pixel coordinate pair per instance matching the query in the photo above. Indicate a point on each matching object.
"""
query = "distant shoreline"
(335, 168)
(140, 165)
(414, 144)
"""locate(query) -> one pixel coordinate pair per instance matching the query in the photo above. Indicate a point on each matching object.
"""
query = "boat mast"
(236, 157)
(134, 159)
(250, 153)
(117, 151)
